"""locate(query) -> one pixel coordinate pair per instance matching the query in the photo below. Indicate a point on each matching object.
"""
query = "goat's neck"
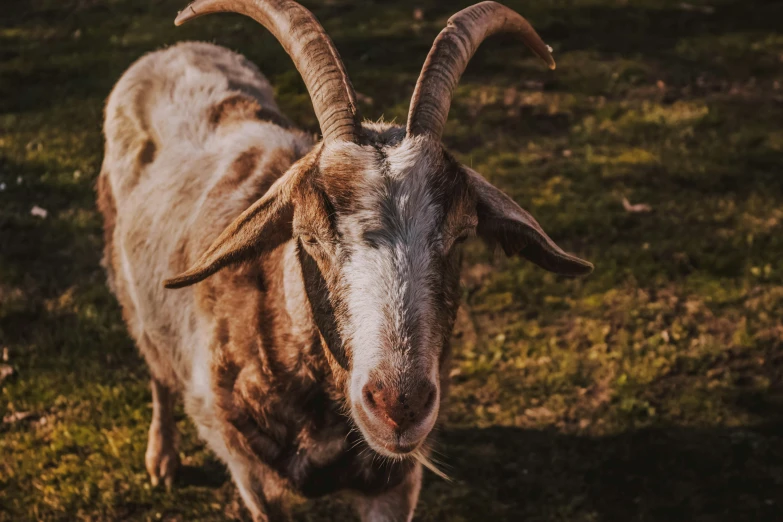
(294, 296)
(296, 340)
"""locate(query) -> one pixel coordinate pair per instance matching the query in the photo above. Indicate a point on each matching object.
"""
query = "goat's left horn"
(312, 51)
(450, 54)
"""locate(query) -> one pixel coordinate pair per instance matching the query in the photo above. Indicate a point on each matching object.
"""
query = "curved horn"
(312, 51)
(450, 54)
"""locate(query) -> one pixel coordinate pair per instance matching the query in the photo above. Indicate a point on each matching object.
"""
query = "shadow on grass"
(212, 474)
(667, 474)
(507, 474)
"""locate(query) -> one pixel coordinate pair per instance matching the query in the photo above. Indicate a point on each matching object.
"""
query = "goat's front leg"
(395, 505)
(161, 457)
(264, 497)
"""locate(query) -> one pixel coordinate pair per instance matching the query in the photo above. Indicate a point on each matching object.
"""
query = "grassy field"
(650, 391)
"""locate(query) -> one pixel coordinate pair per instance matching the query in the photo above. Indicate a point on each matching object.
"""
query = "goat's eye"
(461, 238)
(457, 241)
(308, 239)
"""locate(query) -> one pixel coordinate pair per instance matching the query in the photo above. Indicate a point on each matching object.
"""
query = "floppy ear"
(261, 228)
(501, 221)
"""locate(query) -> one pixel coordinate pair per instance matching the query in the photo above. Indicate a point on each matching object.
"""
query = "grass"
(650, 391)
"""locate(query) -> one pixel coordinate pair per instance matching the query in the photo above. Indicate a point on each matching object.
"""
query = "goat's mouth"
(397, 451)
(392, 450)
(389, 442)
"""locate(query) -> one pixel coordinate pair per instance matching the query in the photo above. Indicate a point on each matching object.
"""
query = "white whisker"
(425, 461)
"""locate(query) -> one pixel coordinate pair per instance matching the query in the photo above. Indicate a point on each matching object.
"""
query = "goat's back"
(193, 137)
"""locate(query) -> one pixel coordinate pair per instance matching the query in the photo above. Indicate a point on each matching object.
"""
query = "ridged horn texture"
(450, 54)
(312, 51)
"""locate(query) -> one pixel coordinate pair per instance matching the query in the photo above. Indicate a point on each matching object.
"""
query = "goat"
(318, 337)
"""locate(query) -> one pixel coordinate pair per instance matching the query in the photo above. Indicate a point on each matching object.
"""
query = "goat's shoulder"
(178, 100)
(183, 81)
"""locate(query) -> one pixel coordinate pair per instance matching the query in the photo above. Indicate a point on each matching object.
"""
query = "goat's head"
(377, 213)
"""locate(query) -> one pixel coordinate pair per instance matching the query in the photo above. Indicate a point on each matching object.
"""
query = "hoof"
(162, 460)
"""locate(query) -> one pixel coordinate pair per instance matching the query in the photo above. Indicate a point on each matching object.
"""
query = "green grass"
(650, 391)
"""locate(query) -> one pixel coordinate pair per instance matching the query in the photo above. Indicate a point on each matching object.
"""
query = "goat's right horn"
(450, 54)
(312, 51)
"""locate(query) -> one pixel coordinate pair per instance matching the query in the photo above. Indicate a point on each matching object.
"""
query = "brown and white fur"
(321, 340)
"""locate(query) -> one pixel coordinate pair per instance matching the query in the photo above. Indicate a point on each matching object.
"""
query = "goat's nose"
(399, 409)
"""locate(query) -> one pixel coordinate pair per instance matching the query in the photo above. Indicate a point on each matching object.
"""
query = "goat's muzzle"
(397, 418)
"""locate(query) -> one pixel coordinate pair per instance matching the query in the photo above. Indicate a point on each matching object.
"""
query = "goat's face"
(377, 227)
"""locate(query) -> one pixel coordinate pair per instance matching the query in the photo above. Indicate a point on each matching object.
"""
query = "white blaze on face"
(388, 283)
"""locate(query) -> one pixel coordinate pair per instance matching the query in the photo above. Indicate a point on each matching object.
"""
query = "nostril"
(399, 409)
(429, 402)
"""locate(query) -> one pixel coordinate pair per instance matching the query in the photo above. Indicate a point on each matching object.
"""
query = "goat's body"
(318, 336)
(194, 137)
(170, 167)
